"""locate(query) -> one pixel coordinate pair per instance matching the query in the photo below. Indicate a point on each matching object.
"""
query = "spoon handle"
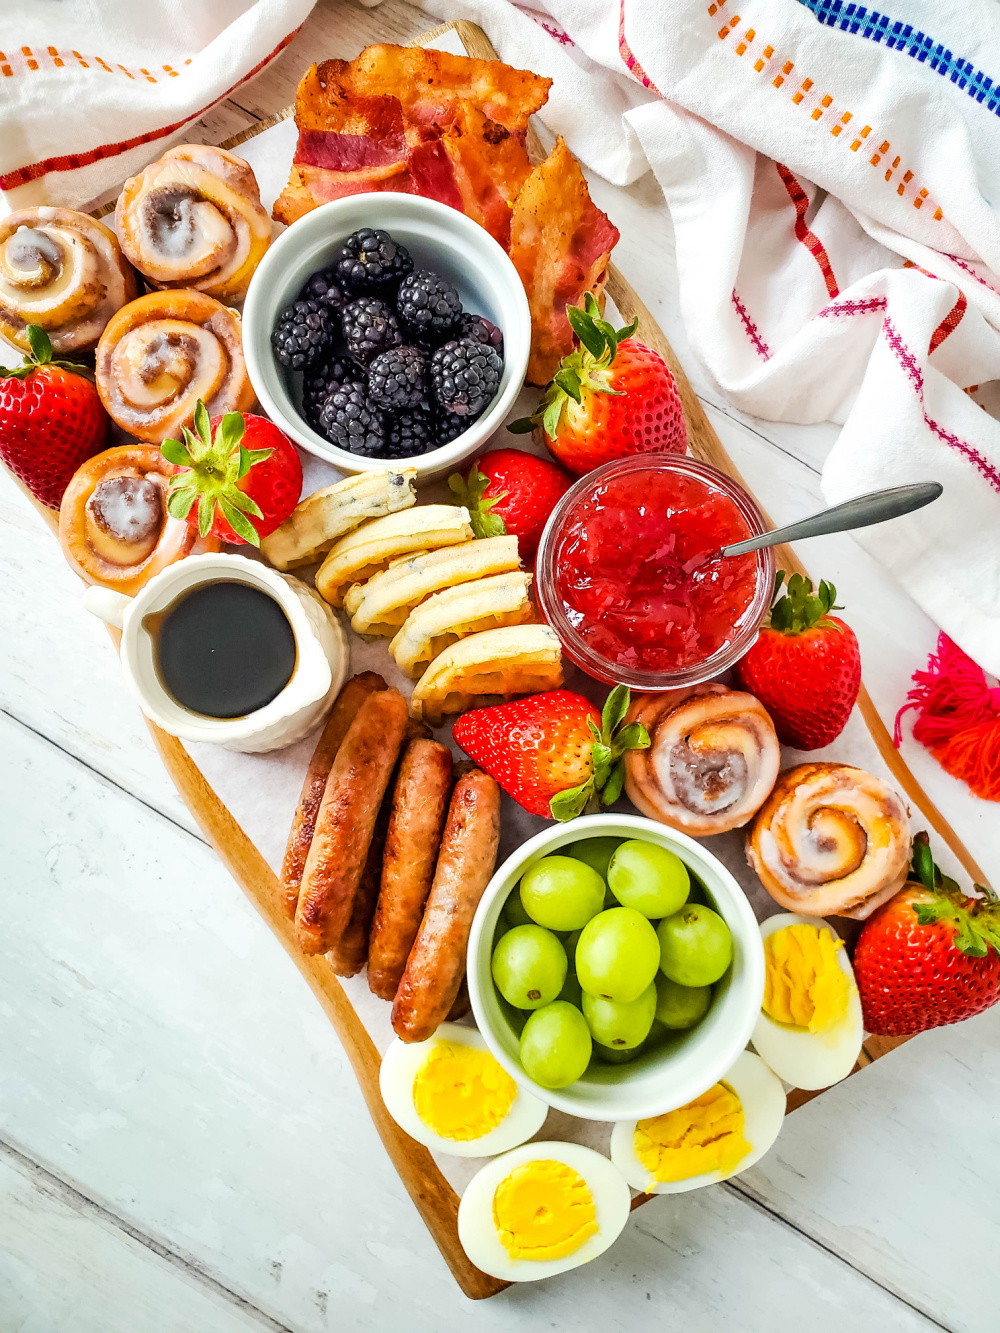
(860, 512)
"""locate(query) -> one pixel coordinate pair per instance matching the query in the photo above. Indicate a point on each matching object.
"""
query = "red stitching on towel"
(753, 333)
(73, 161)
(908, 362)
(972, 273)
(625, 51)
(949, 324)
(812, 243)
(865, 306)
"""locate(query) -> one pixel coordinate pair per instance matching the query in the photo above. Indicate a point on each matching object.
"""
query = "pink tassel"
(958, 718)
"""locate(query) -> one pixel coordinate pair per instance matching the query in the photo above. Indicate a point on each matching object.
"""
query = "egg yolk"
(805, 985)
(461, 1093)
(706, 1135)
(543, 1210)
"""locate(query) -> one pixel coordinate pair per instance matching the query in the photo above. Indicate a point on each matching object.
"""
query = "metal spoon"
(860, 512)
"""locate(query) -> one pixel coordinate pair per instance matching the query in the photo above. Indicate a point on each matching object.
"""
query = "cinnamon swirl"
(63, 271)
(831, 840)
(163, 352)
(114, 528)
(712, 759)
(194, 219)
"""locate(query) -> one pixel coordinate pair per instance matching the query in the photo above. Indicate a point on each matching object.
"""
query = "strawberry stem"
(801, 608)
(40, 355)
(469, 491)
(976, 921)
(584, 370)
(212, 467)
(610, 743)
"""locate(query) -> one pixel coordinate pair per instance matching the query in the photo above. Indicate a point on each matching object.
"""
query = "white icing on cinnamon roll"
(831, 840)
(63, 271)
(712, 759)
(194, 219)
(162, 353)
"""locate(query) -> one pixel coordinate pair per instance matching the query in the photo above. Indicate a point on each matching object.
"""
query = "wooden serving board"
(435, 1199)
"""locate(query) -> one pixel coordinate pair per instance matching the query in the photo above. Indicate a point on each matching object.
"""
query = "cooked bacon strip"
(560, 243)
(418, 122)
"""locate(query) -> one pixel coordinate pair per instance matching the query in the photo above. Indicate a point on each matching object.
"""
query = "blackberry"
(410, 433)
(322, 288)
(465, 376)
(369, 327)
(428, 306)
(302, 335)
(480, 330)
(449, 426)
(349, 421)
(396, 378)
(370, 261)
(321, 380)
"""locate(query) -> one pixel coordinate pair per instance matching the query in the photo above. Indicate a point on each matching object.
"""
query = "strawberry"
(553, 752)
(930, 955)
(231, 467)
(805, 667)
(51, 420)
(508, 490)
(610, 397)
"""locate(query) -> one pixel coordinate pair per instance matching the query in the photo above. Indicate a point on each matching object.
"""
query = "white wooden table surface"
(182, 1144)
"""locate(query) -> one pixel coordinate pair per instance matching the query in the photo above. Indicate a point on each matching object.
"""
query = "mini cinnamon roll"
(713, 757)
(63, 271)
(831, 840)
(114, 528)
(162, 353)
(194, 219)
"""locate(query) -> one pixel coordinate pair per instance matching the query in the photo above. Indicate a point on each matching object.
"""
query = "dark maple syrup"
(223, 649)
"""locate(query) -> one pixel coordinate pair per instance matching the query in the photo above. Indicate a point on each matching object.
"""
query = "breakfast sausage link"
(419, 807)
(436, 964)
(346, 820)
(343, 713)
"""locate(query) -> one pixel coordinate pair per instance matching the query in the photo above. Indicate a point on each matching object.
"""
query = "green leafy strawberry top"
(213, 467)
(585, 368)
(40, 355)
(801, 608)
(976, 920)
(611, 741)
(469, 491)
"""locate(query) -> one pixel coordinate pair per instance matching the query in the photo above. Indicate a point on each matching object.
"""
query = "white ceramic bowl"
(439, 238)
(687, 1063)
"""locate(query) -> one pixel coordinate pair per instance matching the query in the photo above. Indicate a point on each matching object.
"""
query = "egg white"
(763, 1100)
(478, 1234)
(805, 1059)
(400, 1064)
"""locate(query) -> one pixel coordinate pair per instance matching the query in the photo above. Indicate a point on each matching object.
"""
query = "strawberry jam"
(636, 579)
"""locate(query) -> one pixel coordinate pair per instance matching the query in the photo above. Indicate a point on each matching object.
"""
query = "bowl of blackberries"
(387, 327)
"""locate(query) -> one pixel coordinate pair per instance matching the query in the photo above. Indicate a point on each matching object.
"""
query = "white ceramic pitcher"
(321, 653)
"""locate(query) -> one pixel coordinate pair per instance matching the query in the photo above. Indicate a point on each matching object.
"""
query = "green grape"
(610, 900)
(617, 954)
(649, 878)
(695, 946)
(513, 1016)
(570, 943)
(529, 967)
(657, 1032)
(620, 1056)
(555, 1045)
(680, 1006)
(596, 852)
(571, 990)
(561, 892)
(620, 1026)
(500, 930)
(513, 910)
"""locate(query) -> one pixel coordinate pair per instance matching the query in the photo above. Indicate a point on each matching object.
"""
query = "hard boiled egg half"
(452, 1095)
(810, 1029)
(542, 1209)
(716, 1136)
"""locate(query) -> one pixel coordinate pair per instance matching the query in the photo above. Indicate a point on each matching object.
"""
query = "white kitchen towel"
(829, 170)
(92, 90)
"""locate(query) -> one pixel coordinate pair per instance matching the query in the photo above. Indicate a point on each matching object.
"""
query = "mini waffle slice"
(520, 659)
(315, 524)
(457, 612)
(380, 606)
(368, 550)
